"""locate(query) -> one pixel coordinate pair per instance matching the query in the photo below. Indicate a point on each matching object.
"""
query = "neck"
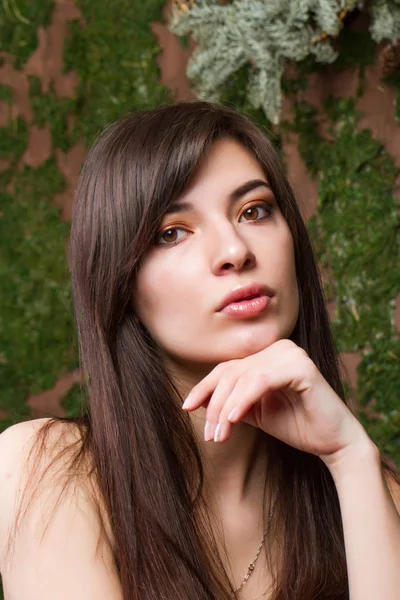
(233, 491)
(234, 470)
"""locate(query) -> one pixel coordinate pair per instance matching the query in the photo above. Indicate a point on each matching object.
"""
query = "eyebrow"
(178, 207)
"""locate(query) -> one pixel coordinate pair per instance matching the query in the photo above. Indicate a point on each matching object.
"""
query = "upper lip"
(244, 292)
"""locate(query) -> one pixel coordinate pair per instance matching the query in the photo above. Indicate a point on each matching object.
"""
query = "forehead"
(228, 173)
(227, 166)
(223, 156)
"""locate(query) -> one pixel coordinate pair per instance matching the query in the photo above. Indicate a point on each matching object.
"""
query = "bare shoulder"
(15, 438)
(16, 444)
(65, 556)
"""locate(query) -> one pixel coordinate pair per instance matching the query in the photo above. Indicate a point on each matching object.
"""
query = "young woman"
(194, 279)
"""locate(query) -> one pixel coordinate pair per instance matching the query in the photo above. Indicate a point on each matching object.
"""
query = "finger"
(299, 377)
(248, 390)
(204, 388)
(221, 393)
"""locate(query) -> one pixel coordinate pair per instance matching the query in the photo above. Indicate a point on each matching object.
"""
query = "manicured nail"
(187, 402)
(218, 432)
(207, 432)
(232, 414)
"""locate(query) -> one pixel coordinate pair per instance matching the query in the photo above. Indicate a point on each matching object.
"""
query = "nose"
(230, 251)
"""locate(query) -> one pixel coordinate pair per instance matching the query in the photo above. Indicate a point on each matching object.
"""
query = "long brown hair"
(139, 444)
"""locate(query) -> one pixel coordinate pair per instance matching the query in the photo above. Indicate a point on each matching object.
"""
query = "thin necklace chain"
(250, 568)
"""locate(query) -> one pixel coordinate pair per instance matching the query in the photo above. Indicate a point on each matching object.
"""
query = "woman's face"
(212, 243)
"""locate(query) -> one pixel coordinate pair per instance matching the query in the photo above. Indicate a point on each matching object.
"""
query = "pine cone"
(389, 59)
(183, 5)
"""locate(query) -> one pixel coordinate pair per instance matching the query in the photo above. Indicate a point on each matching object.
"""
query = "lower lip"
(247, 308)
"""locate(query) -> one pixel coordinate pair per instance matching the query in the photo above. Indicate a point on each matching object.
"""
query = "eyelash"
(269, 207)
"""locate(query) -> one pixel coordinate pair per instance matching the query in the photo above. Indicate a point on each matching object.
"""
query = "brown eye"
(169, 235)
(251, 213)
(255, 212)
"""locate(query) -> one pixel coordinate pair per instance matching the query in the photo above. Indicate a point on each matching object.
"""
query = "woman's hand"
(281, 391)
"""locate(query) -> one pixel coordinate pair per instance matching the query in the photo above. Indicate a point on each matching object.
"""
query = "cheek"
(286, 279)
(291, 283)
(285, 265)
(167, 304)
(162, 291)
(151, 293)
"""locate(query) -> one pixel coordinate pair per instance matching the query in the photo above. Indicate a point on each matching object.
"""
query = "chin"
(252, 341)
(245, 346)
(227, 346)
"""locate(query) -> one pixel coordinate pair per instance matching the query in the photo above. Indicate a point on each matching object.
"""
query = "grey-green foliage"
(263, 34)
(385, 20)
(260, 33)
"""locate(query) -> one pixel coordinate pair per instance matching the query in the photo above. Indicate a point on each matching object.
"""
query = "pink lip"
(247, 308)
(246, 296)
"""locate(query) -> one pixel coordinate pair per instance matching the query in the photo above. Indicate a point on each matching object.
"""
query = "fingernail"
(218, 431)
(232, 414)
(187, 402)
(207, 432)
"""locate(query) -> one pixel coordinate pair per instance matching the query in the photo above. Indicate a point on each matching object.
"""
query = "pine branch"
(385, 20)
(260, 33)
